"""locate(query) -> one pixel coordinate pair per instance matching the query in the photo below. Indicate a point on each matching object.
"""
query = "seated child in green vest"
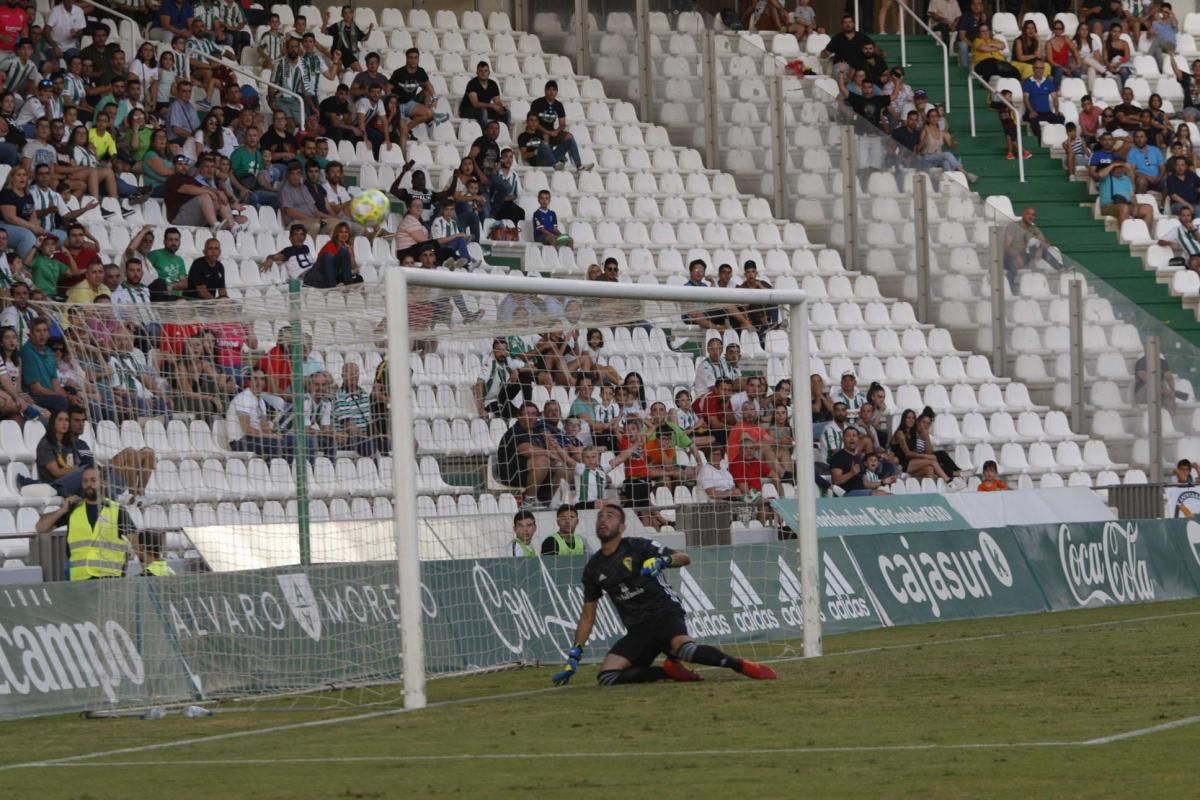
(148, 545)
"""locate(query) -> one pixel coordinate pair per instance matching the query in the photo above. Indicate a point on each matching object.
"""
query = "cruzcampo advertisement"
(107, 644)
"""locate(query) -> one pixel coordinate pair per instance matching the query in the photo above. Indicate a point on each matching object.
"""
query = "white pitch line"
(316, 723)
(1133, 734)
(436, 757)
(73, 760)
(739, 752)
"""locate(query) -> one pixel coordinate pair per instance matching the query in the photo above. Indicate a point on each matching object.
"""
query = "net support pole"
(1154, 383)
(299, 440)
(1075, 294)
(999, 287)
(806, 504)
(921, 220)
(582, 34)
(404, 490)
(779, 149)
(709, 43)
(849, 196)
(645, 82)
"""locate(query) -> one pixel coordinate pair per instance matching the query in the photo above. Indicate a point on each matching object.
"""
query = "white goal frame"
(404, 472)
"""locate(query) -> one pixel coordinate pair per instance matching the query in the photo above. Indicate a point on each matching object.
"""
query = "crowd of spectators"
(916, 132)
(80, 342)
(82, 120)
(729, 434)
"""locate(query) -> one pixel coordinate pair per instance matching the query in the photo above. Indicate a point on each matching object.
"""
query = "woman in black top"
(946, 469)
(1116, 53)
(59, 461)
(17, 215)
(904, 445)
(1026, 48)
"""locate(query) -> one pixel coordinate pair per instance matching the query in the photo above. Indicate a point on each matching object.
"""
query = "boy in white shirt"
(444, 230)
(591, 480)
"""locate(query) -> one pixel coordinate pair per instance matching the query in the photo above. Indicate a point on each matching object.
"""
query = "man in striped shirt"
(352, 412)
(233, 24)
(288, 73)
(131, 300)
(832, 437)
(22, 75)
(270, 44)
(318, 416)
(1184, 241)
(848, 393)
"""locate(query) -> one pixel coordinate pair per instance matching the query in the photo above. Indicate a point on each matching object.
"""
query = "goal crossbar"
(404, 474)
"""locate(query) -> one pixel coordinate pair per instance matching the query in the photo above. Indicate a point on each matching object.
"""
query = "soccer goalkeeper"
(630, 571)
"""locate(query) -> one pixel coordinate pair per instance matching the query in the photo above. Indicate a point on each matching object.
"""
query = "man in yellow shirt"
(987, 56)
(92, 285)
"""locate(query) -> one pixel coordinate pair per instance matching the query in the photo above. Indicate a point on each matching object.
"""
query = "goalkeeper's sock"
(708, 656)
(611, 677)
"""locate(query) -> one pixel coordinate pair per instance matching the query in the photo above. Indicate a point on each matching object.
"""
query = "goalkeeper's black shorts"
(644, 641)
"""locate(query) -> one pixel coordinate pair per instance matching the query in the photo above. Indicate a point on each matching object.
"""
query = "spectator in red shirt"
(716, 412)
(749, 471)
(637, 487)
(14, 26)
(79, 251)
(277, 364)
(751, 429)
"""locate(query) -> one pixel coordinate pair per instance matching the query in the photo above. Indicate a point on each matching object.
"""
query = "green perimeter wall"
(67, 647)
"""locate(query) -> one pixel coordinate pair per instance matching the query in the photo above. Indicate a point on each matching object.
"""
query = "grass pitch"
(1097, 703)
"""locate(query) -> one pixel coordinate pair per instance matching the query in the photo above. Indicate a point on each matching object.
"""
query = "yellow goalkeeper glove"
(653, 566)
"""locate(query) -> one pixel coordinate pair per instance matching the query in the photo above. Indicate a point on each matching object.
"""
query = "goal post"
(399, 285)
(329, 479)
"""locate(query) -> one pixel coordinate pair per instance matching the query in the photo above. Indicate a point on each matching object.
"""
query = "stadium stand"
(642, 199)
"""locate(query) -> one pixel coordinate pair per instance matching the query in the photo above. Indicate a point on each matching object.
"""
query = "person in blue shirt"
(1104, 155)
(1117, 196)
(1149, 166)
(173, 18)
(545, 224)
(1041, 99)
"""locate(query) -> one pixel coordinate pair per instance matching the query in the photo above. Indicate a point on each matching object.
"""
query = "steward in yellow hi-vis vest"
(96, 531)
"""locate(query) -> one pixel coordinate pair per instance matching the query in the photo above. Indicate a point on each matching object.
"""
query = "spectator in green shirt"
(250, 170)
(308, 152)
(117, 98)
(157, 163)
(46, 269)
(172, 272)
(136, 135)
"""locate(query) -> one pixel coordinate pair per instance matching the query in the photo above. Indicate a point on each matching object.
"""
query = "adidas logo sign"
(790, 596)
(753, 617)
(702, 616)
(842, 602)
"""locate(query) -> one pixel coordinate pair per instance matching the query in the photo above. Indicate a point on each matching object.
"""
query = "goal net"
(258, 446)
